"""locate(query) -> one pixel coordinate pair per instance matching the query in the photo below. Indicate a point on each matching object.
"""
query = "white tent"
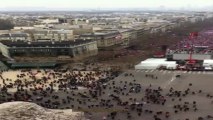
(208, 63)
(154, 63)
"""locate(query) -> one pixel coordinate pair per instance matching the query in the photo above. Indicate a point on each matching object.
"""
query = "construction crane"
(191, 62)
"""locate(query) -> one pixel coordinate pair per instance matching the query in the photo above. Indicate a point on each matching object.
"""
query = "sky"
(105, 4)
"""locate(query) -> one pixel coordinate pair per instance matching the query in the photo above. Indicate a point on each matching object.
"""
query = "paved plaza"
(133, 95)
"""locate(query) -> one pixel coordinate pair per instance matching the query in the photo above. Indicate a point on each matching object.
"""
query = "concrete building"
(78, 21)
(128, 36)
(54, 35)
(81, 29)
(104, 38)
(49, 21)
(14, 36)
(23, 28)
(140, 31)
(73, 49)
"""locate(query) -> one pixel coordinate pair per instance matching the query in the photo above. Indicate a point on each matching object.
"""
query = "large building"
(75, 48)
(128, 36)
(14, 36)
(107, 38)
(54, 35)
(77, 21)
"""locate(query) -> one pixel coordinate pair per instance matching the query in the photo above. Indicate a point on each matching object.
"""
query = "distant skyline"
(7, 5)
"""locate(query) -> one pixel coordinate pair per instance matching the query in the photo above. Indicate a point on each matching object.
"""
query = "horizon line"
(39, 9)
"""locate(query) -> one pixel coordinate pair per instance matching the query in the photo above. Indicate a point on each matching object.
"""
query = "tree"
(6, 24)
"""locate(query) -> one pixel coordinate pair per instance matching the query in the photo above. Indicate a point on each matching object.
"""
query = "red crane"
(192, 37)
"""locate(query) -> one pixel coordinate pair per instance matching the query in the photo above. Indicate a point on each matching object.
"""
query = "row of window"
(39, 50)
(65, 37)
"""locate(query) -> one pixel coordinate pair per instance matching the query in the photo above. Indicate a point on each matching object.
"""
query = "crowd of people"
(37, 85)
(203, 39)
(93, 91)
(85, 91)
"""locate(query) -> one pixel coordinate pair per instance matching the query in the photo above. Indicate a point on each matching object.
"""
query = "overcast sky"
(102, 4)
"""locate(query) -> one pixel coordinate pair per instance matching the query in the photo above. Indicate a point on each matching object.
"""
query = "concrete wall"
(86, 50)
(194, 56)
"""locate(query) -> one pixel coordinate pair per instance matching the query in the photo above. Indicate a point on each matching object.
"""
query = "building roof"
(125, 30)
(18, 35)
(52, 31)
(100, 34)
(14, 35)
(154, 63)
(33, 64)
(45, 43)
(5, 35)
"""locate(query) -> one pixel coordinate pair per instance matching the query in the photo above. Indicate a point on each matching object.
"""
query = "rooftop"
(14, 35)
(33, 64)
(45, 43)
(101, 33)
(52, 31)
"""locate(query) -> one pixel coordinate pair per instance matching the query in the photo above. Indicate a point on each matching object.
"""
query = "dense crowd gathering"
(24, 85)
(84, 91)
(204, 39)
